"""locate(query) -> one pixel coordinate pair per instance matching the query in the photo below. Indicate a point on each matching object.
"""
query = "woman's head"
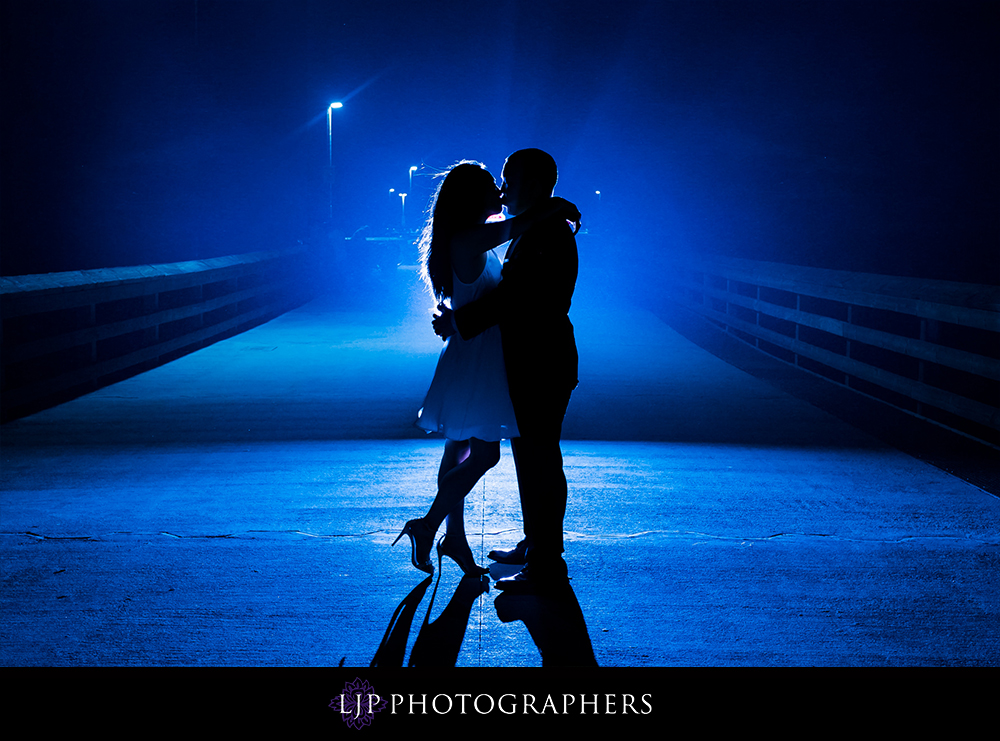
(466, 196)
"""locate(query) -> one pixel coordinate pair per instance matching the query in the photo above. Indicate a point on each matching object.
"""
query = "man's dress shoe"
(514, 557)
(536, 579)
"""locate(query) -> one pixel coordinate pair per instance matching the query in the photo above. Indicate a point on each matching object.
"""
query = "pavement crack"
(334, 535)
(57, 537)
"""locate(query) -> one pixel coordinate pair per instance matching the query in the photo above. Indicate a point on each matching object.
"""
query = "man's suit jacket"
(531, 306)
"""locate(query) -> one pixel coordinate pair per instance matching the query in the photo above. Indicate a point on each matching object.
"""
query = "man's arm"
(484, 237)
(485, 312)
(536, 285)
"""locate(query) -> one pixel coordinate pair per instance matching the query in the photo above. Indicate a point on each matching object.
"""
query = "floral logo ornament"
(358, 703)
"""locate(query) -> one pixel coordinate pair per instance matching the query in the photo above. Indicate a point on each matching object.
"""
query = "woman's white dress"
(468, 396)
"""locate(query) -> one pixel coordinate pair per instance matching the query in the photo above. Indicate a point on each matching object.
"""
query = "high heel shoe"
(463, 557)
(421, 538)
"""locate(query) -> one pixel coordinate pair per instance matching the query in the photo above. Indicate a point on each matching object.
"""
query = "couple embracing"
(510, 364)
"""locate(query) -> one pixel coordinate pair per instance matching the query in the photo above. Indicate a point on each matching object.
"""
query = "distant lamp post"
(402, 197)
(329, 132)
(329, 125)
(412, 170)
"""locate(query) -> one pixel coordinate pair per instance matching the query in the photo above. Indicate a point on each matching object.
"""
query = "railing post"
(798, 308)
(847, 348)
(756, 339)
(727, 304)
(91, 321)
(150, 305)
(920, 362)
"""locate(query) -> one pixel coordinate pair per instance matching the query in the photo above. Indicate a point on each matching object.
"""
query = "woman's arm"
(485, 237)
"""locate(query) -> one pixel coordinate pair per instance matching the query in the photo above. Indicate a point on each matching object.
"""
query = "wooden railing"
(66, 334)
(929, 347)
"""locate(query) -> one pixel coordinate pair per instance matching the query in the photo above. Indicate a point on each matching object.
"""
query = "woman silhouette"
(467, 400)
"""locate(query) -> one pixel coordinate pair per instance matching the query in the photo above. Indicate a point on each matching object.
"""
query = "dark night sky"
(857, 135)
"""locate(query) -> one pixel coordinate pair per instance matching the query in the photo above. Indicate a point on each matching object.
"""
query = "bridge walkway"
(236, 508)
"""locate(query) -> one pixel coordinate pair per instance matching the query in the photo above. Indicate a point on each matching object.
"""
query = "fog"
(850, 135)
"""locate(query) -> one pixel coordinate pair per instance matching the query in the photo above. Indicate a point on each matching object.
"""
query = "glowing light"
(337, 104)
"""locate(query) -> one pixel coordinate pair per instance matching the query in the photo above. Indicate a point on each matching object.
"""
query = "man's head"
(529, 176)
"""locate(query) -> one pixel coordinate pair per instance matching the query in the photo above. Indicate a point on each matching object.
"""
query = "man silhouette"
(531, 305)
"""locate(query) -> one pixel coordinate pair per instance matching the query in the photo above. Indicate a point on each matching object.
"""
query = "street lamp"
(329, 131)
(412, 170)
(402, 197)
(329, 125)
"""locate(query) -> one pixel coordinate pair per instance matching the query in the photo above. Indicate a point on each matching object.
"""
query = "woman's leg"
(454, 520)
(462, 465)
